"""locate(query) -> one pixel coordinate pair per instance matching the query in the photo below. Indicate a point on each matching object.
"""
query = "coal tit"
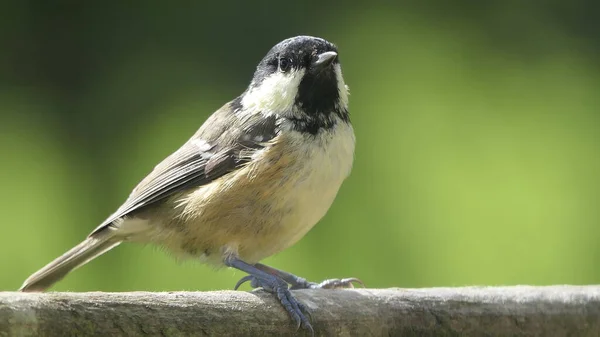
(254, 179)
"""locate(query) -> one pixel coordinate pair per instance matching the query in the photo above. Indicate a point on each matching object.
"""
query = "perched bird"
(254, 179)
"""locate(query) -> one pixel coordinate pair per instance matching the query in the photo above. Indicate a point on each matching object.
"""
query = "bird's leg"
(297, 282)
(275, 285)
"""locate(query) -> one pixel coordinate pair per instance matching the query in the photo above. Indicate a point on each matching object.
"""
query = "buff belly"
(264, 207)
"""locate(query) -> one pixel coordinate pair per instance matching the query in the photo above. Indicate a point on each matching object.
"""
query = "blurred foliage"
(477, 126)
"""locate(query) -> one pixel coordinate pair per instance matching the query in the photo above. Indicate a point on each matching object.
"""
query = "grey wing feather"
(223, 136)
(183, 169)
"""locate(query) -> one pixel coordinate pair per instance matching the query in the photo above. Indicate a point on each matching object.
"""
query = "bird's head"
(299, 78)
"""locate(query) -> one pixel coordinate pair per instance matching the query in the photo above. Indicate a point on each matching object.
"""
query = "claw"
(337, 283)
(242, 281)
(305, 310)
(310, 330)
(356, 280)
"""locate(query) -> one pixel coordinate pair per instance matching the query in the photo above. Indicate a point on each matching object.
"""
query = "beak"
(324, 60)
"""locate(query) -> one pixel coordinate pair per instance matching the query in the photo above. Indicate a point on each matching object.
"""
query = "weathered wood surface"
(469, 311)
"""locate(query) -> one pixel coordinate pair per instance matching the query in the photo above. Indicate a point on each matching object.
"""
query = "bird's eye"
(284, 64)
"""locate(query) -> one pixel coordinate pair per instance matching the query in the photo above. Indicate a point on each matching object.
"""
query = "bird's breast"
(273, 201)
(320, 164)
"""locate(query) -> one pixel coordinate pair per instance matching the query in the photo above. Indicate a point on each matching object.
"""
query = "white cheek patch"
(276, 94)
(343, 89)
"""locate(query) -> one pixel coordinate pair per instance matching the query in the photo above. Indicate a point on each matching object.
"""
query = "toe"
(339, 283)
(294, 308)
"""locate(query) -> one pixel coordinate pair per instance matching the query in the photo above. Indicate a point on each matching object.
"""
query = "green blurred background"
(477, 126)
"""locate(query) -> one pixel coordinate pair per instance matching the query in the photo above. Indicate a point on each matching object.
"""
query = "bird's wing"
(220, 146)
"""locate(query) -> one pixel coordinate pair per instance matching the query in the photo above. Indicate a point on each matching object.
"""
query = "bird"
(258, 174)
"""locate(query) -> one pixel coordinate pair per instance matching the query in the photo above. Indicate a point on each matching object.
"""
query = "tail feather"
(79, 255)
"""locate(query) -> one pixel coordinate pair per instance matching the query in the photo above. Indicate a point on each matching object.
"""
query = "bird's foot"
(275, 285)
(280, 288)
(280, 283)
